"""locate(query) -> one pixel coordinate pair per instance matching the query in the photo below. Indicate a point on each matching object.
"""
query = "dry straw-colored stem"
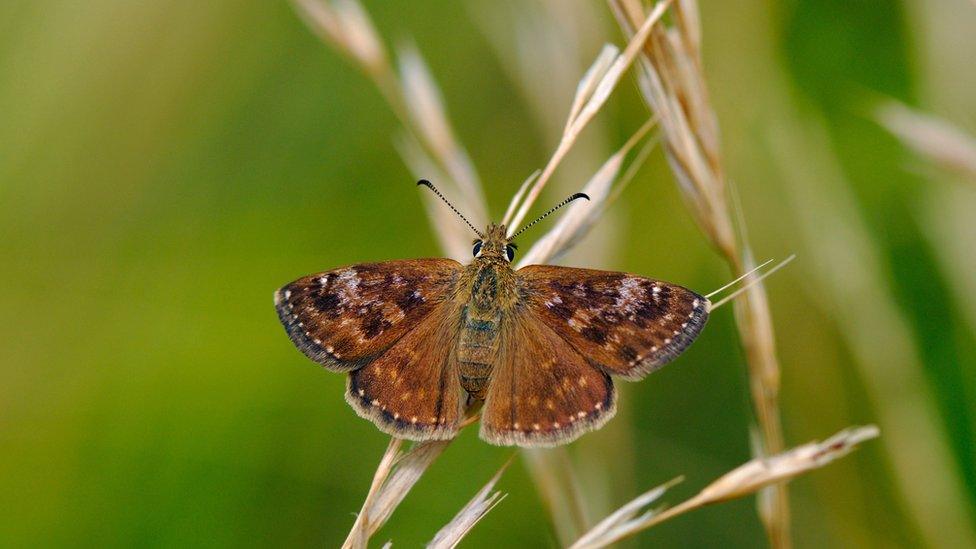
(932, 137)
(853, 284)
(672, 84)
(429, 144)
(591, 94)
(484, 501)
(362, 527)
(396, 474)
(580, 217)
(744, 480)
(552, 470)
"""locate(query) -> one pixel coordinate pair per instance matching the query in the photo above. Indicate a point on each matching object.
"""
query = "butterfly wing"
(344, 318)
(542, 391)
(413, 390)
(628, 325)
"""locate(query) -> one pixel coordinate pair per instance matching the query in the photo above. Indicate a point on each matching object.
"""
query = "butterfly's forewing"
(413, 389)
(542, 392)
(627, 324)
(344, 318)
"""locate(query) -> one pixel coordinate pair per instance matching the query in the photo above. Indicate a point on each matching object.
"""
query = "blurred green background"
(164, 166)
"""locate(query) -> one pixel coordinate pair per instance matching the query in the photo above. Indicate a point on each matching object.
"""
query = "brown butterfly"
(422, 339)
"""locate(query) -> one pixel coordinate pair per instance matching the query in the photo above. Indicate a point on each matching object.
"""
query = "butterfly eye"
(510, 252)
(477, 248)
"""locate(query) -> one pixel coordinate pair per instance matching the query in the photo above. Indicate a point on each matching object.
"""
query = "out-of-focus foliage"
(164, 166)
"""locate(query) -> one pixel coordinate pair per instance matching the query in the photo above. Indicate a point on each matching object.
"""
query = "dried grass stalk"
(345, 26)
(416, 100)
(932, 137)
(853, 283)
(624, 518)
(591, 94)
(394, 478)
(552, 469)
(428, 117)
(746, 479)
(429, 147)
(469, 515)
(580, 217)
(548, 37)
(672, 84)
(560, 490)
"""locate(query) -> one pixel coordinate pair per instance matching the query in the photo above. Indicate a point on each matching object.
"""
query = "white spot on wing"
(630, 295)
(347, 286)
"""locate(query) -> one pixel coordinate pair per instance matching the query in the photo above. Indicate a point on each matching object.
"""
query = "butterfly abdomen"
(492, 293)
(477, 348)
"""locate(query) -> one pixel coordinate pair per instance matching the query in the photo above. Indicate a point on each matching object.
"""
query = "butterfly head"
(494, 245)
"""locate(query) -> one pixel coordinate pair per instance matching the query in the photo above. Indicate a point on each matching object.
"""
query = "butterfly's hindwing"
(627, 324)
(345, 317)
(542, 392)
(413, 389)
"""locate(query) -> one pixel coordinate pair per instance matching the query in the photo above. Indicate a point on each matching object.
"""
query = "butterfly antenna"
(751, 283)
(738, 279)
(430, 185)
(554, 208)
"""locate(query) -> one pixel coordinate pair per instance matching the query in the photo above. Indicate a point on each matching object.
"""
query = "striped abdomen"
(477, 349)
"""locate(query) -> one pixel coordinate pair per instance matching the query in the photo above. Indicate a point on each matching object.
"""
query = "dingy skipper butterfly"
(421, 339)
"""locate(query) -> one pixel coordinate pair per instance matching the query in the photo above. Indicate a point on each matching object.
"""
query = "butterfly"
(423, 339)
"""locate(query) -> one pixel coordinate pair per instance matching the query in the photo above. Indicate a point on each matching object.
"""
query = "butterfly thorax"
(492, 286)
